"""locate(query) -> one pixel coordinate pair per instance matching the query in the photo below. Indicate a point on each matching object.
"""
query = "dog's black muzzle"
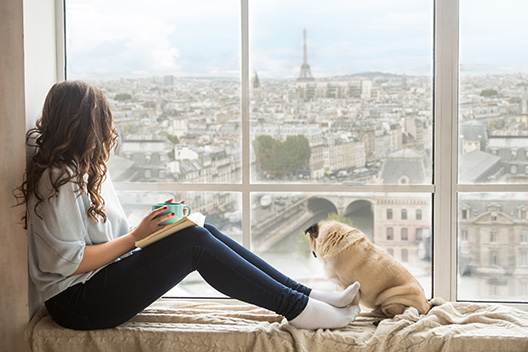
(313, 231)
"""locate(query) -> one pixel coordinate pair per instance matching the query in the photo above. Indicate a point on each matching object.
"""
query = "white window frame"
(445, 188)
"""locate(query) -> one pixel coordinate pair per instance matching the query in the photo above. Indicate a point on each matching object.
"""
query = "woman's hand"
(170, 200)
(150, 223)
(185, 211)
(95, 256)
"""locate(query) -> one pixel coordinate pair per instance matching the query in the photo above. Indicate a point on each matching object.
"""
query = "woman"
(80, 243)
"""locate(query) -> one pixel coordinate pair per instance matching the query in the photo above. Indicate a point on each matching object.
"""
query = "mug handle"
(188, 210)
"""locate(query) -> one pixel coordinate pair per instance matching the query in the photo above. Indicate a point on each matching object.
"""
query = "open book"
(183, 223)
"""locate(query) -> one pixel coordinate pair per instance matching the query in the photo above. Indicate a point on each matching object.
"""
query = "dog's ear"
(313, 231)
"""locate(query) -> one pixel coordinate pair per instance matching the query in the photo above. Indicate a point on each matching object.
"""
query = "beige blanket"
(190, 326)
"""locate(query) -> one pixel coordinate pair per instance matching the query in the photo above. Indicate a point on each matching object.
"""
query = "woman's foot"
(338, 299)
(321, 315)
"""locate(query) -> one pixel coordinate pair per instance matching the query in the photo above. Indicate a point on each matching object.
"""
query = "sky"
(127, 38)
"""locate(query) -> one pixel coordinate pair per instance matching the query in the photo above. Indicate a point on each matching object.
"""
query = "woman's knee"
(210, 228)
(196, 234)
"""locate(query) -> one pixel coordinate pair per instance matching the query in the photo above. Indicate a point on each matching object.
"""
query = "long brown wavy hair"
(75, 136)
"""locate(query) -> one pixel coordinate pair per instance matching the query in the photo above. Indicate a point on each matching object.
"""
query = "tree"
(265, 150)
(162, 117)
(122, 97)
(281, 159)
(127, 128)
(492, 125)
(173, 139)
(488, 93)
(294, 155)
(340, 218)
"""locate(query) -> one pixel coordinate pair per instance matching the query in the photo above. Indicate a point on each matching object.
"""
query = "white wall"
(40, 65)
(13, 254)
(40, 34)
(27, 70)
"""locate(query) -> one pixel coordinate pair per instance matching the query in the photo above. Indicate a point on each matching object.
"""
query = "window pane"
(493, 122)
(279, 220)
(171, 72)
(341, 91)
(492, 247)
(222, 209)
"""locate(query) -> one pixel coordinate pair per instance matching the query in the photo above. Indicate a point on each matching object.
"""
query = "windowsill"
(231, 325)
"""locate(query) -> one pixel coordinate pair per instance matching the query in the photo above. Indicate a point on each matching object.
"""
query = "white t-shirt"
(57, 238)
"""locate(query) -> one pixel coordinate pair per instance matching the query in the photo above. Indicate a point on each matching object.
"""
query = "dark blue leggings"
(124, 288)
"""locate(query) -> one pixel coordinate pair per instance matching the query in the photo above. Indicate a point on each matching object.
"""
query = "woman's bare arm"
(97, 255)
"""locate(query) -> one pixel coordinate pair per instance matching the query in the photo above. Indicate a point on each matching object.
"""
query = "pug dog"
(387, 287)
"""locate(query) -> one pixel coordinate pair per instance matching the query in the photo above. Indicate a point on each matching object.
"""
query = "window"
(255, 119)
(524, 237)
(404, 234)
(403, 180)
(493, 288)
(147, 173)
(524, 259)
(247, 112)
(494, 258)
(493, 236)
(493, 216)
(500, 139)
(404, 255)
(390, 233)
(523, 290)
(514, 154)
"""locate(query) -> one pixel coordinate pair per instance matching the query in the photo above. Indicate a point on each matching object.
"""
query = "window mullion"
(246, 206)
(60, 39)
(445, 141)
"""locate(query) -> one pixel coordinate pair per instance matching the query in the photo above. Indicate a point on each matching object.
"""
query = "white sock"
(321, 315)
(337, 299)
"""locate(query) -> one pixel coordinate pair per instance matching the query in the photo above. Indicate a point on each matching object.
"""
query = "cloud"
(134, 38)
(105, 44)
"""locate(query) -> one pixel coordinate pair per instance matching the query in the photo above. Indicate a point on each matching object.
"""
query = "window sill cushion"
(175, 325)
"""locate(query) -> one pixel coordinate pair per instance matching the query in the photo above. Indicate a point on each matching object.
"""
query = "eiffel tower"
(305, 74)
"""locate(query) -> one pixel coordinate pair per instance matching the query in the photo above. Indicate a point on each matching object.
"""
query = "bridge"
(367, 212)
(293, 219)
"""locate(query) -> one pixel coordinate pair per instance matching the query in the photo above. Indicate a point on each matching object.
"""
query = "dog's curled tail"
(437, 301)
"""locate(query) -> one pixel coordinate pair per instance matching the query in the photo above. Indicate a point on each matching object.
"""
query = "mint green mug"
(176, 208)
